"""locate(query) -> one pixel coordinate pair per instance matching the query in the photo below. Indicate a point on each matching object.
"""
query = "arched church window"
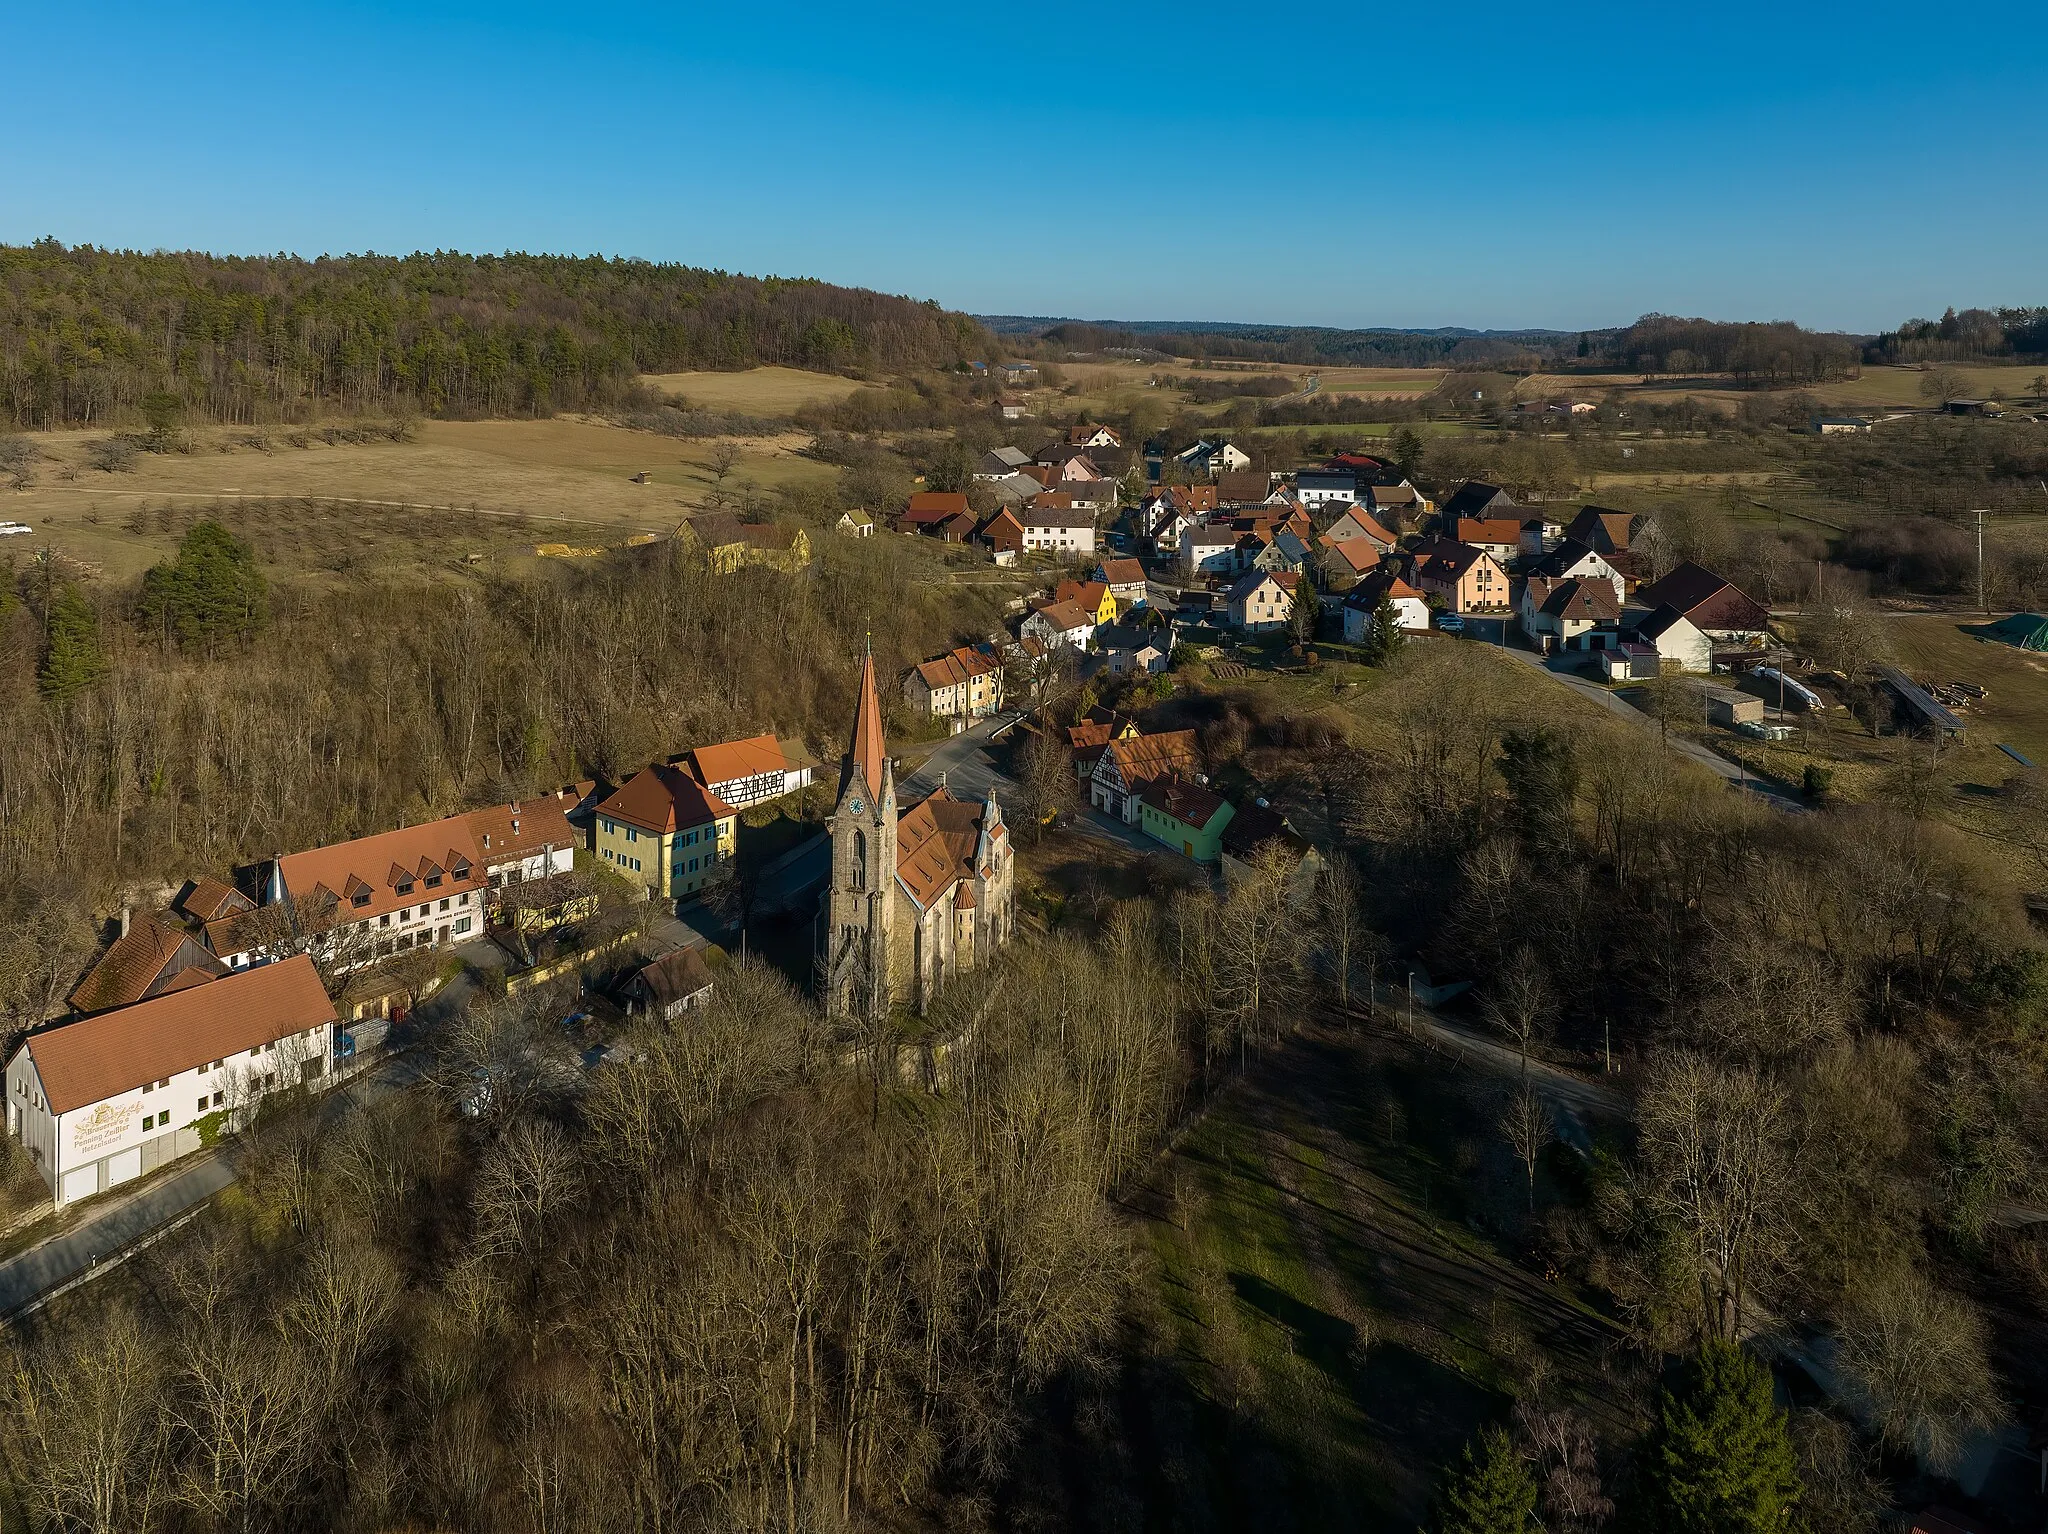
(860, 860)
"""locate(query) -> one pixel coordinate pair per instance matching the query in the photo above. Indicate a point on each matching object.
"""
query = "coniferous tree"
(1719, 1460)
(72, 657)
(1491, 1492)
(211, 592)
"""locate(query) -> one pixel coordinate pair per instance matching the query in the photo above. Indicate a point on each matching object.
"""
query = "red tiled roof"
(935, 845)
(1489, 530)
(956, 666)
(866, 748)
(1187, 802)
(134, 966)
(93, 1059)
(210, 899)
(1123, 572)
(1144, 757)
(662, 798)
(935, 506)
(732, 759)
(377, 865)
(1064, 616)
(507, 832)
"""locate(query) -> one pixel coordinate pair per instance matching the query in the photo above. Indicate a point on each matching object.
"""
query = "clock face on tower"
(855, 805)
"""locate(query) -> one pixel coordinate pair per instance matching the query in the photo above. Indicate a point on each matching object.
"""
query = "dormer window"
(360, 898)
(433, 881)
(405, 888)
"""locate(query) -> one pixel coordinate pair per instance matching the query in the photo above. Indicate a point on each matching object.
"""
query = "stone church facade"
(918, 895)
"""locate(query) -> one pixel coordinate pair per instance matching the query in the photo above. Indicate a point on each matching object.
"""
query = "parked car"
(1450, 623)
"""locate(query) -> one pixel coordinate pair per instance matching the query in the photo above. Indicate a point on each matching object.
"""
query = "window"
(433, 881)
(219, 1098)
(384, 920)
(405, 887)
(148, 1121)
(359, 898)
(632, 835)
(461, 925)
(149, 1086)
(444, 902)
(254, 1053)
(200, 1106)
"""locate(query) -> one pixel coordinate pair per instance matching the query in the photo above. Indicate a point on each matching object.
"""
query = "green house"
(1184, 815)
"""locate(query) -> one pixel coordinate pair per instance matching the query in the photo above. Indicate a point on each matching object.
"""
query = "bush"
(1816, 781)
(114, 455)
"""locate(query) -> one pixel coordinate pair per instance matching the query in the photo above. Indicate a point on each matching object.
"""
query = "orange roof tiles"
(376, 867)
(1123, 572)
(505, 832)
(735, 759)
(662, 798)
(1142, 758)
(133, 966)
(935, 844)
(1495, 530)
(210, 899)
(866, 750)
(93, 1059)
(954, 667)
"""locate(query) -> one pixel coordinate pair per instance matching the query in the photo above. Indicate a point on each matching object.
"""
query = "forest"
(1972, 335)
(89, 337)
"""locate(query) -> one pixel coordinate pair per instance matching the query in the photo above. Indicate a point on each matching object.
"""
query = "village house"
(1499, 536)
(1570, 614)
(1464, 579)
(1715, 607)
(1135, 649)
(1129, 763)
(1262, 600)
(1358, 523)
(1345, 564)
(962, 685)
(1052, 523)
(729, 544)
(1065, 465)
(1325, 487)
(1088, 739)
(102, 1100)
(1362, 605)
(150, 957)
(1257, 830)
(1208, 550)
(1015, 490)
(1477, 500)
(226, 922)
(929, 512)
(1209, 458)
(1092, 597)
(1678, 642)
(1185, 815)
(918, 895)
(359, 901)
(1839, 425)
(522, 842)
(1000, 463)
(1601, 530)
(1002, 534)
(855, 524)
(1011, 408)
(1125, 579)
(744, 772)
(669, 986)
(1575, 561)
(1243, 487)
(1058, 625)
(1540, 534)
(1019, 375)
(1089, 435)
(1400, 505)
(667, 832)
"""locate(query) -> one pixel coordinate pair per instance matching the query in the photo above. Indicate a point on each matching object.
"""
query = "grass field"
(459, 487)
(1938, 647)
(756, 391)
(1876, 388)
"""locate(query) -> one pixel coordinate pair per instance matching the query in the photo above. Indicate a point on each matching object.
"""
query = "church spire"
(866, 752)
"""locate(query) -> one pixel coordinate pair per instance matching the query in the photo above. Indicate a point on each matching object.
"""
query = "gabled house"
(1068, 465)
(1091, 737)
(1087, 435)
(1262, 600)
(1211, 458)
(1465, 579)
(1345, 564)
(1357, 523)
(669, 986)
(1714, 606)
(744, 772)
(1128, 764)
(962, 685)
(1540, 534)
(1570, 614)
(1243, 487)
(855, 524)
(1399, 504)
(1135, 649)
(1057, 625)
(1002, 534)
(1000, 463)
(1362, 605)
(1092, 597)
(1256, 829)
(1574, 561)
(665, 830)
(1208, 551)
(522, 842)
(1011, 408)
(1680, 644)
(1477, 499)
(1601, 530)
(1015, 490)
(930, 510)
(1052, 523)
(359, 901)
(149, 958)
(1186, 815)
(1125, 579)
(1499, 536)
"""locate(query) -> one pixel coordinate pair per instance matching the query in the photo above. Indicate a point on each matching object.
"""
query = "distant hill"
(1448, 345)
(87, 335)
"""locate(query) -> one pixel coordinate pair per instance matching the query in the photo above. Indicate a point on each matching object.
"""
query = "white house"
(744, 772)
(1678, 641)
(1059, 624)
(1571, 561)
(522, 841)
(1325, 487)
(416, 887)
(1362, 603)
(1213, 458)
(1208, 551)
(1054, 524)
(107, 1098)
(1575, 614)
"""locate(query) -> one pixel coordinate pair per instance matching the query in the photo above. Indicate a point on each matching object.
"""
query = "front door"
(444, 934)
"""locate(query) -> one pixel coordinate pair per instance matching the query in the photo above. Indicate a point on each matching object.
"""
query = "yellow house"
(730, 544)
(1092, 597)
(667, 831)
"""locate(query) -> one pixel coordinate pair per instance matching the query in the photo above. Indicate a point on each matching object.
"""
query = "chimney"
(126, 913)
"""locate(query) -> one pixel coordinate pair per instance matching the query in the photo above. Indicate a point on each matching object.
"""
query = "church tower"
(862, 904)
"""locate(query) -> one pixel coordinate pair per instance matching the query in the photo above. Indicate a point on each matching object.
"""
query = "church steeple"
(865, 752)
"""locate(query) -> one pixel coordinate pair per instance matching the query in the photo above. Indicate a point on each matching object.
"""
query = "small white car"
(1450, 623)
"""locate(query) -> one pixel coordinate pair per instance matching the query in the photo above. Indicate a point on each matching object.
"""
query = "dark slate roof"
(1474, 498)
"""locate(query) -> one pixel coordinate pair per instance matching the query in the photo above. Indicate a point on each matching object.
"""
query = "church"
(918, 895)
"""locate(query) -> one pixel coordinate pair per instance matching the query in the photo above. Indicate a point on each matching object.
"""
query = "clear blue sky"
(1575, 164)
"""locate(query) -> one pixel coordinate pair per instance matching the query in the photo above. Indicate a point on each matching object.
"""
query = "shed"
(1918, 706)
(1725, 705)
(1629, 662)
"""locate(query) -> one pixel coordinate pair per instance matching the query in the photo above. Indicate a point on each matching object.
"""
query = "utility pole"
(1981, 607)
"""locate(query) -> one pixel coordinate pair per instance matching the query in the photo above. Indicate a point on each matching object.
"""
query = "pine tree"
(72, 657)
(1384, 635)
(1492, 1492)
(1719, 1460)
(211, 592)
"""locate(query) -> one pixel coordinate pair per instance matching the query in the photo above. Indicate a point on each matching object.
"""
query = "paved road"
(1489, 1053)
(967, 765)
(1730, 773)
(118, 1223)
